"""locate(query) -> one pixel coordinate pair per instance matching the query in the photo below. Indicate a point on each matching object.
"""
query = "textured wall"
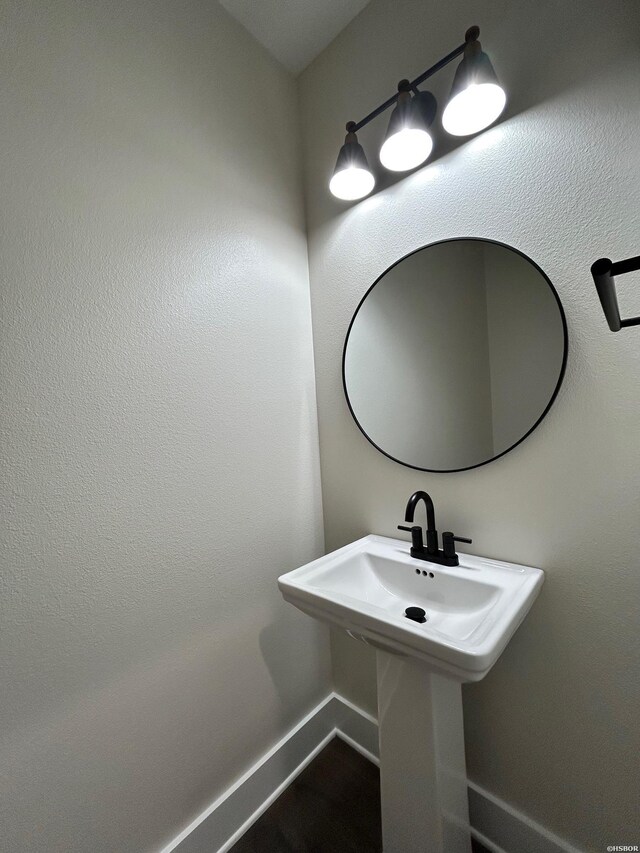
(158, 420)
(553, 729)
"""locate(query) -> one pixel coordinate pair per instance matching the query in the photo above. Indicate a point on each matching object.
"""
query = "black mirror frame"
(551, 399)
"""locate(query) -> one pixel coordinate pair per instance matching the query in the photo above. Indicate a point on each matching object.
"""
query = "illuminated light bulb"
(408, 142)
(477, 98)
(406, 149)
(351, 183)
(474, 108)
(352, 178)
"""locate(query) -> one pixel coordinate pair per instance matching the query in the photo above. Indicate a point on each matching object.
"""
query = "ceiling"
(294, 31)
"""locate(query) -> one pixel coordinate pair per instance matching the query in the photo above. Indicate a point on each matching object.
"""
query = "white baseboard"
(501, 828)
(222, 823)
(357, 728)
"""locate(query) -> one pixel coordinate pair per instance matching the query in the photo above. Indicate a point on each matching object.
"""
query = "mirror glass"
(455, 354)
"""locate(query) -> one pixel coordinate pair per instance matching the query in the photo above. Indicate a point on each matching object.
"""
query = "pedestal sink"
(472, 610)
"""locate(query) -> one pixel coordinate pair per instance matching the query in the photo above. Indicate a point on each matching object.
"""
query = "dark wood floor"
(332, 807)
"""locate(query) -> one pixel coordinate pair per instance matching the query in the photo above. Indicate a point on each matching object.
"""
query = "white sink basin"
(472, 609)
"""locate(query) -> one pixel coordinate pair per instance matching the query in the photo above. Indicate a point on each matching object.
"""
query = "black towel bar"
(603, 272)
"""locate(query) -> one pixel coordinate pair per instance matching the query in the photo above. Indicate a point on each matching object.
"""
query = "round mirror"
(455, 354)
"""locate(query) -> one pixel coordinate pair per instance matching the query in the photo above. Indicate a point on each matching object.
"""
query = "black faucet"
(432, 553)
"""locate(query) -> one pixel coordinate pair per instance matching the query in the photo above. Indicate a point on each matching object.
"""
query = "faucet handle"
(448, 539)
(416, 536)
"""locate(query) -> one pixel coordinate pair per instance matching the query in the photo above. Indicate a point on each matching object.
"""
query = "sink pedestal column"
(423, 778)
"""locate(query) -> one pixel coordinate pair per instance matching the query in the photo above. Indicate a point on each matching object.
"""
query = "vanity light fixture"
(476, 101)
(352, 177)
(408, 141)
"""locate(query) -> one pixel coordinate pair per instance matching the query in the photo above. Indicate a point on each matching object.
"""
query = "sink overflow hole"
(425, 573)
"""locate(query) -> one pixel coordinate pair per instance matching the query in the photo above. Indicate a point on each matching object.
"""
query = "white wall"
(158, 420)
(553, 728)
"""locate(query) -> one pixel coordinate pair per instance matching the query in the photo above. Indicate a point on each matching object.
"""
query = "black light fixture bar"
(476, 100)
(603, 272)
(472, 34)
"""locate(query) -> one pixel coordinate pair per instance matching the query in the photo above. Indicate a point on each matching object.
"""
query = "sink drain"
(416, 614)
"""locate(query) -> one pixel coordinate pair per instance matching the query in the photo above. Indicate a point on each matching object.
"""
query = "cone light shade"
(477, 98)
(352, 178)
(408, 142)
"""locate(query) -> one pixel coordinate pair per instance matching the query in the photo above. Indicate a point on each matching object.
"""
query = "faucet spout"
(432, 533)
(430, 551)
(413, 501)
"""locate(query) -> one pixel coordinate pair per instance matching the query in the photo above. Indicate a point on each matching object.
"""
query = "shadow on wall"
(279, 647)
